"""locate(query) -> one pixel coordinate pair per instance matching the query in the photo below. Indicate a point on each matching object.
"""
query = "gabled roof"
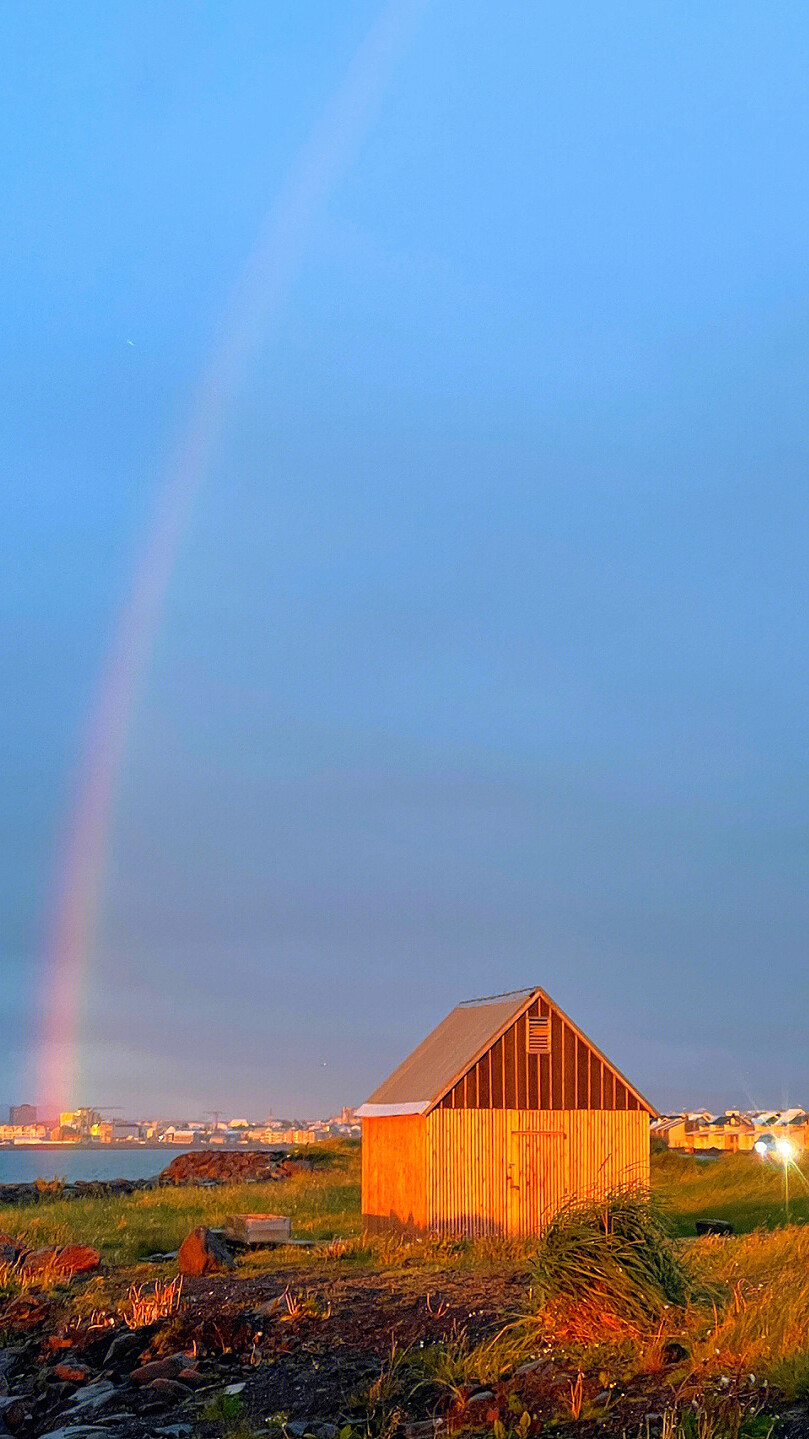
(435, 1066)
(454, 1045)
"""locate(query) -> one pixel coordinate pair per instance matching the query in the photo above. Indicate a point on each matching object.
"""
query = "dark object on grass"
(714, 1226)
(616, 1250)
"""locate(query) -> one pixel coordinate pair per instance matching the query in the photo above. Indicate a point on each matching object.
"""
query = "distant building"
(125, 1129)
(22, 1114)
(733, 1132)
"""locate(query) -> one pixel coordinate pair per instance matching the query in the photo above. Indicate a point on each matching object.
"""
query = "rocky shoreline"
(203, 1168)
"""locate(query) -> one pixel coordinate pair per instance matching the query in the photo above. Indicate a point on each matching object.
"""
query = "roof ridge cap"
(495, 998)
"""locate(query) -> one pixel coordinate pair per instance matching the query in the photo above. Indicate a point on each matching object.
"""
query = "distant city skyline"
(478, 660)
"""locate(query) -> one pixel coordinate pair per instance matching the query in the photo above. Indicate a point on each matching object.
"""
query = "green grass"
(322, 1204)
(325, 1204)
(741, 1188)
(742, 1308)
(618, 1249)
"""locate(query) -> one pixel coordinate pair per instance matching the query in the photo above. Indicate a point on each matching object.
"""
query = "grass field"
(734, 1308)
(742, 1188)
(322, 1204)
(325, 1204)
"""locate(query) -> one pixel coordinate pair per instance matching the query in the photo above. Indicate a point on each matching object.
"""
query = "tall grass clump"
(615, 1251)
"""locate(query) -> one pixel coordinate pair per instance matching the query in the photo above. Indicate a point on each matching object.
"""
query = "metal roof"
(457, 1043)
(454, 1045)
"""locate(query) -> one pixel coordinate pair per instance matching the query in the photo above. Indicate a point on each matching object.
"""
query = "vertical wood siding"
(572, 1076)
(507, 1172)
(394, 1172)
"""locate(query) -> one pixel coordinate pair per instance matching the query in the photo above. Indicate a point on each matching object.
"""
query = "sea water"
(24, 1163)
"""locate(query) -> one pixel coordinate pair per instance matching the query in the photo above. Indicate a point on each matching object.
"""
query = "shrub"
(616, 1251)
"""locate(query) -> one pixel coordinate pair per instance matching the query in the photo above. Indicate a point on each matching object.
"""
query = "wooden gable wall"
(572, 1076)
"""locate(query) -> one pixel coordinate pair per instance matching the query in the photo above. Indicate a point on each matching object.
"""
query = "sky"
(482, 657)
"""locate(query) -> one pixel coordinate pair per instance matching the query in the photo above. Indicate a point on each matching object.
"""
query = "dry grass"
(756, 1322)
(146, 1303)
(764, 1321)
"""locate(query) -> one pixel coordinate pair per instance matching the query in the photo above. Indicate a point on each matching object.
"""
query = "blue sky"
(483, 661)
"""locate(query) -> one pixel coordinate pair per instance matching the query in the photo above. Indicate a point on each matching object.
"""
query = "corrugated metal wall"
(506, 1172)
(572, 1076)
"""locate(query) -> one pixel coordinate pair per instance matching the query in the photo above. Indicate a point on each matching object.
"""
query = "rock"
(71, 1373)
(125, 1349)
(79, 1431)
(223, 1166)
(169, 1390)
(268, 1308)
(204, 1252)
(169, 1368)
(11, 1249)
(714, 1226)
(13, 1411)
(93, 1396)
(26, 1313)
(67, 1261)
(288, 1167)
(234, 1388)
(192, 1377)
(311, 1429)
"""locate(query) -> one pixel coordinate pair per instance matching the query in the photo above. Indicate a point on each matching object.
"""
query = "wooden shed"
(502, 1115)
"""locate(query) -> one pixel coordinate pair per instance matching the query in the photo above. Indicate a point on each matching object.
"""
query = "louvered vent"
(539, 1036)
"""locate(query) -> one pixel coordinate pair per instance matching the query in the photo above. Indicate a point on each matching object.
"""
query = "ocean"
(22, 1165)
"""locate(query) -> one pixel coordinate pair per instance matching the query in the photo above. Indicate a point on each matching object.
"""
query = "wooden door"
(538, 1173)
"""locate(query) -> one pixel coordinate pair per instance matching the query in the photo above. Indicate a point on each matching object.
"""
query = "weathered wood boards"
(258, 1228)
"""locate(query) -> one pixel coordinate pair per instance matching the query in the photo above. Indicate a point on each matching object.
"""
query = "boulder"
(169, 1368)
(65, 1261)
(222, 1166)
(714, 1226)
(80, 1431)
(126, 1348)
(92, 1397)
(203, 1251)
(192, 1377)
(14, 1410)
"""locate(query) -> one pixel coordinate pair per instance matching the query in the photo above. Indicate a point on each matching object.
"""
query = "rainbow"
(276, 259)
